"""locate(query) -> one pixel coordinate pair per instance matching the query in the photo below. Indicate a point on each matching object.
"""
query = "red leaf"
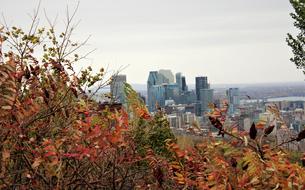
(48, 154)
(71, 155)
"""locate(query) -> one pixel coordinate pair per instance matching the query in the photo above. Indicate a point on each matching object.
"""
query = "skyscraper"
(155, 78)
(167, 74)
(151, 82)
(171, 91)
(201, 83)
(184, 86)
(179, 81)
(234, 100)
(156, 97)
(159, 89)
(187, 97)
(206, 97)
(203, 93)
(117, 88)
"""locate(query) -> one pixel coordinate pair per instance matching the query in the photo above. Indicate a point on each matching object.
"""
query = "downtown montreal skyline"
(238, 42)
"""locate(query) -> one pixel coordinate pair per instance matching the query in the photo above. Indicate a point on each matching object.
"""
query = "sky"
(236, 41)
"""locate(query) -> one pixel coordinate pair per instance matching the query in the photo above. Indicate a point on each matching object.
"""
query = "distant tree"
(297, 43)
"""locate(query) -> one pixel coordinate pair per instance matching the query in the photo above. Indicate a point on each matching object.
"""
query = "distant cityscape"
(186, 107)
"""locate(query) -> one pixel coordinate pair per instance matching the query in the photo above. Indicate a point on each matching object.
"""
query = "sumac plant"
(55, 136)
(238, 160)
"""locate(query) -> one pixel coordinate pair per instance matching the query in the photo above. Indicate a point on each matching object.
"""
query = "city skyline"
(238, 42)
(166, 93)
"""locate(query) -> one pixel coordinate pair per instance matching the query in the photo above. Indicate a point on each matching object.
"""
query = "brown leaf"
(233, 162)
(301, 135)
(46, 93)
(269, 130)
(245, 166)
(253, 131)
(158, 173)
(27, 73)
(215, 122)
(74, 91)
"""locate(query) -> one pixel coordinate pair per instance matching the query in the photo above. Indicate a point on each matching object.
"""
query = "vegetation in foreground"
(55, 136)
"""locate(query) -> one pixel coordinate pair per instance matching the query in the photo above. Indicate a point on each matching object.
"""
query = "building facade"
(184, 85)
(233, 100)
(204, 94)
(179, 81)
(206, 98)
(167, 74)
(201, 83)
(117, 88)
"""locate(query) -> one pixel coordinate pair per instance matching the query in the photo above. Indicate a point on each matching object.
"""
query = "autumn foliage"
(55, 136)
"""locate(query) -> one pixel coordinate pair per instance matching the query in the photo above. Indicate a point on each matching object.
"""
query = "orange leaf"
(260, 125)
(37, 162)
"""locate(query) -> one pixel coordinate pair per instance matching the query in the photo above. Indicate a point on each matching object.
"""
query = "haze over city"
(238, 42)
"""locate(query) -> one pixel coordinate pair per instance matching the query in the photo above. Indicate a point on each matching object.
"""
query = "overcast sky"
(236, 41)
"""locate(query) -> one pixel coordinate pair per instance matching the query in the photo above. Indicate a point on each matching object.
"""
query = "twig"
(284, 142)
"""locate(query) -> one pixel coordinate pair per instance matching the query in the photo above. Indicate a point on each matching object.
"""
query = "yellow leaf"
(277, 186)
(6, 107)
(6, 154)
(255, 181)
(246, 140)
(178, 175)
(176, 167)
(82, 103)
(37, 162)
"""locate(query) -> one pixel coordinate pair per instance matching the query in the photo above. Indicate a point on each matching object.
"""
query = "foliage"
(297, 43)
(148, 132)
(54, 136)
(236, 162)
